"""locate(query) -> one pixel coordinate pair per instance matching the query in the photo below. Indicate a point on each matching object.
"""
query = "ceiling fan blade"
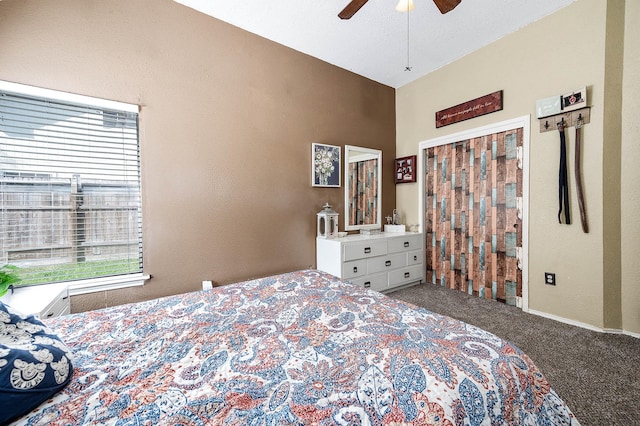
(352, 8)
(446, 5)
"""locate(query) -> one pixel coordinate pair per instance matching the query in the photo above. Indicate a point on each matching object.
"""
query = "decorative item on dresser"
(380, 262)
(43, 301)
(327, 222)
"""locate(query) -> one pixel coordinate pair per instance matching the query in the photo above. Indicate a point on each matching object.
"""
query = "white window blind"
(70, 200)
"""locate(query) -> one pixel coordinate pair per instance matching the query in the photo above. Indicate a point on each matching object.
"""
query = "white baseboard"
(632, 334)
(583, 325)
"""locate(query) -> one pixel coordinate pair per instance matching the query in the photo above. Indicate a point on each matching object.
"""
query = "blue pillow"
(34, 363)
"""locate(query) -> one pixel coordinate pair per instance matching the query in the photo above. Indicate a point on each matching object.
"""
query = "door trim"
(523, 122)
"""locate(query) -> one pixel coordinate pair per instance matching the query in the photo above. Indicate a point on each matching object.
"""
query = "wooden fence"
(48, 220)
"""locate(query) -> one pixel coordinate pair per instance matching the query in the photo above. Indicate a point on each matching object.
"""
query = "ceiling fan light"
(404, 5)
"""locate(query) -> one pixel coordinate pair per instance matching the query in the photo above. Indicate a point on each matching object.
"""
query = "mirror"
(363, 188)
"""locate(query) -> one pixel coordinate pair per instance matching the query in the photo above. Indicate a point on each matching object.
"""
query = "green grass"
(76, 271)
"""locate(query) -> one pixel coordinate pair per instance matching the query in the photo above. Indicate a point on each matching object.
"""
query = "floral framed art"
(325, 162)
(406, 169)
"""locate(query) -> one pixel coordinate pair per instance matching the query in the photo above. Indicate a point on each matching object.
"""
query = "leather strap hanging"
(578, 172)
(563, 188)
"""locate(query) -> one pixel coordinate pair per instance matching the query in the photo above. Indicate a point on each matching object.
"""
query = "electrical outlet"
(550, 278)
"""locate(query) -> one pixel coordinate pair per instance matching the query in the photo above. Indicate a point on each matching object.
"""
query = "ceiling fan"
(355, 5)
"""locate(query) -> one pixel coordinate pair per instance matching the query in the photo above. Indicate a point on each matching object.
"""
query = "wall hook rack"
(570, 119)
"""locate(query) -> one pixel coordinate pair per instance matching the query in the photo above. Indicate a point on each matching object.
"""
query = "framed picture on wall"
(325, 165)
(406, 169)
(574, 100)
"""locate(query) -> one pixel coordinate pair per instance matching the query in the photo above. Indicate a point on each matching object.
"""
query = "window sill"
(108, 283)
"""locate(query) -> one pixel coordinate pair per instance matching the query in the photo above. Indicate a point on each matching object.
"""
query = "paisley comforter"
(293, 349)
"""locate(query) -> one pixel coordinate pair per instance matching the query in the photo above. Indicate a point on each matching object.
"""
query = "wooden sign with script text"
(480, 106)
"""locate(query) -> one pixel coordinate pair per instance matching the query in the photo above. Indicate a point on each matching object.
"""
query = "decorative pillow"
(34, 363)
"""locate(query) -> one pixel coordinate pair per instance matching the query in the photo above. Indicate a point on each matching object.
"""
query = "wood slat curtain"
(474, 233)
(70, 201)
(364, 187)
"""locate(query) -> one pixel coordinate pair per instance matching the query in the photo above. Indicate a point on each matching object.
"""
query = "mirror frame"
(369, 153)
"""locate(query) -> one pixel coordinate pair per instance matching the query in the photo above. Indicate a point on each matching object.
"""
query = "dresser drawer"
(353, 269)
(59, 306)
(43, 301)
(405, 243)
(386, 263)
(377, 282)
(405, 275)
(380, 262)
(365, 249)
(415, 257)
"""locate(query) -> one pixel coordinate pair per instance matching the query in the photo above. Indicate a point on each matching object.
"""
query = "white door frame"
(523, 122)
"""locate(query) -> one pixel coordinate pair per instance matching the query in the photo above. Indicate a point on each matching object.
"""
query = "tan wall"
(611, 178)
(557, 54)
(227, 123)
(630, 170)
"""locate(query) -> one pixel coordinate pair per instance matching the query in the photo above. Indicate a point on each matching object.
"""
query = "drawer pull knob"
(415, 258)
(50, 314)
(406, 244)
(367, 284)
(367, 250)
(407, 274)
(387, 263)
(355, 269)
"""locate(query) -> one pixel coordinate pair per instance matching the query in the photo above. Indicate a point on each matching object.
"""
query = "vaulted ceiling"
(379, 42)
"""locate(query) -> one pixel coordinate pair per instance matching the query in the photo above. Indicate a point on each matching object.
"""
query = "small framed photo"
(406, 169)
(325, 165)
(574, 100)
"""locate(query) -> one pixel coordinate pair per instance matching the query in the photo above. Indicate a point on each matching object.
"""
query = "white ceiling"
(374, 42)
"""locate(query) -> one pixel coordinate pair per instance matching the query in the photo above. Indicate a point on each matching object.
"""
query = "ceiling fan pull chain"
(408, 67)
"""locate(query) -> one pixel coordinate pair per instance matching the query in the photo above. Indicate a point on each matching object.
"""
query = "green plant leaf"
(8, 277)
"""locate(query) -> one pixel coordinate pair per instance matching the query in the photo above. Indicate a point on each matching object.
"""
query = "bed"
(298, 348)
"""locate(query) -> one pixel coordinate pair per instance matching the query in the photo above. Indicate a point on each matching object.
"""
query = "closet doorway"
(474, 210)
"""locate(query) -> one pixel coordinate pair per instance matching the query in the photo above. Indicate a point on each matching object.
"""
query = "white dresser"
(380, 262)
(44, 301)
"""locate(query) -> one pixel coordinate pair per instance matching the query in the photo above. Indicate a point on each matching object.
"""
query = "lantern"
(327, 222)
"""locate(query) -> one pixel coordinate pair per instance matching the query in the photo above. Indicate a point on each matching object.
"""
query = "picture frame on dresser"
(325, 165)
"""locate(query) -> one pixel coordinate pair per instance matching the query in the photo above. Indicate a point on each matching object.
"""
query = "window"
(70, 200)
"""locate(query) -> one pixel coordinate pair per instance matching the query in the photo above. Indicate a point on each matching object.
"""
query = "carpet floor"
(596, 374)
